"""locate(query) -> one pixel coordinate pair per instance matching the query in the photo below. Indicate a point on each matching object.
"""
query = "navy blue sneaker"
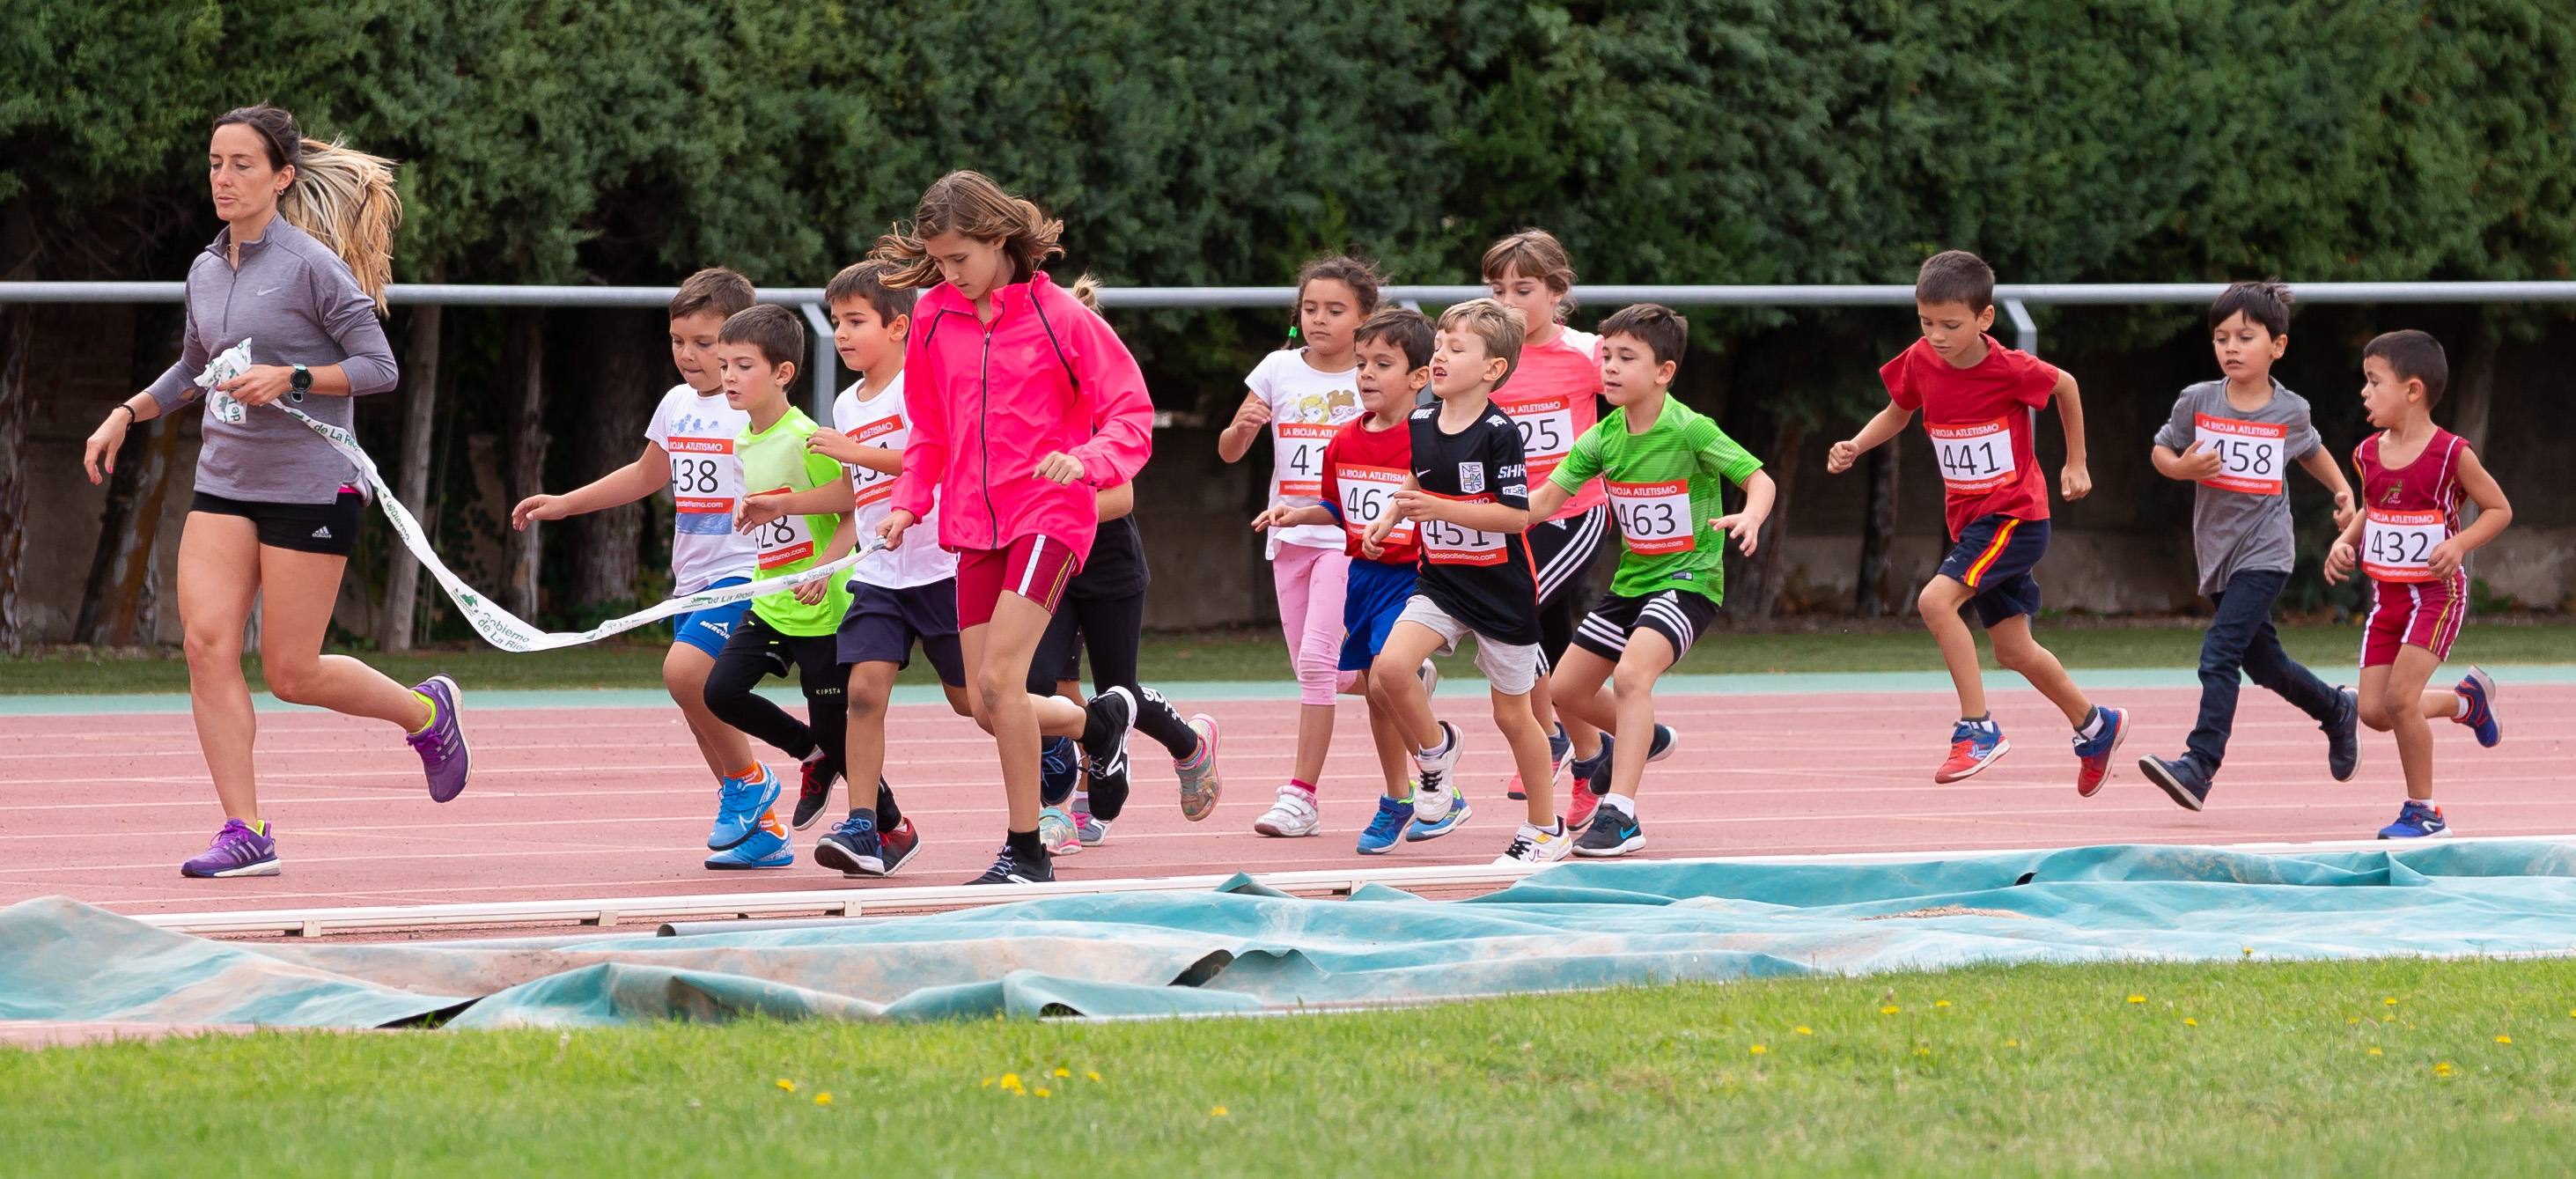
(1059, 770)
(2343, 738)
(2180, 779)
(2416, 821)
(1665, 740)
(1393, 815)
(851, 848)
(1973, 747)
(2479, 689)
(1614, 832)
(2093, 754)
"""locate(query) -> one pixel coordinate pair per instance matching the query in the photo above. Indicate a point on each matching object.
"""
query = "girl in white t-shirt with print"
(1302, 394)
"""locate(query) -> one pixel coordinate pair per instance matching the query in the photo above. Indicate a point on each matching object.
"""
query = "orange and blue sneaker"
(1974, 745)
(767, 847)
(741, 804)
(2416, 820)
(2479, 689)
(2093, 754)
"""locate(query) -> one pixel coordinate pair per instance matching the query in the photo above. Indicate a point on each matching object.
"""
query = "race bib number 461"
(1367, 494)
(2398, 546)
(1654, 518)
(2250, 454)
(1975, 457)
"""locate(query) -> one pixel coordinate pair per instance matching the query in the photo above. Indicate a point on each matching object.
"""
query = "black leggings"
(757, 651)
(1111, 631)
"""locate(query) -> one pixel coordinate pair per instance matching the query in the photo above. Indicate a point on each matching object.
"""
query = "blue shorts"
(1374, 597)
(883, 624)
(708, 629)
(1993, 558)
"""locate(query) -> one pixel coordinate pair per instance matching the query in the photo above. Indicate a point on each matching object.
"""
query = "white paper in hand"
(220, 405)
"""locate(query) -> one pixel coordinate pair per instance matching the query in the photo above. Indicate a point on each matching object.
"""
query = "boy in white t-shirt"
(898, 597)
(688, 447)
(1303, 395)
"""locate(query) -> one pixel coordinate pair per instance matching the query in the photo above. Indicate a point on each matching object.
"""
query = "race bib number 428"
(2249, 454)
(1975, 457)
(783, 541)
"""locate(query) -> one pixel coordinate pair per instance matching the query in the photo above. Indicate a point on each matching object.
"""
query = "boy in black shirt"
(1469, 497)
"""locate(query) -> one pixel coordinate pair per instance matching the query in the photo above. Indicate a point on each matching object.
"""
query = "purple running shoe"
(443, 757)
(236, 851)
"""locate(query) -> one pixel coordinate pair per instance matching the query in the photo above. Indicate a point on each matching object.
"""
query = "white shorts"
(1512, 668)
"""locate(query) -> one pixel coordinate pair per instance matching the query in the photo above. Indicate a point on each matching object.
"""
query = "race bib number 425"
(698, 470)
(2398, 546)
(2249, 454)
(1975, 457)
(1654, 518)
(1547, 432)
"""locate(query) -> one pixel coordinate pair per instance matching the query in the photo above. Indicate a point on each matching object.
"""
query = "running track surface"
(613, 801)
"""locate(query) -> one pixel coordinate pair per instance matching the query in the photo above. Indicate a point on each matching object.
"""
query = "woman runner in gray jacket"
(276, 509)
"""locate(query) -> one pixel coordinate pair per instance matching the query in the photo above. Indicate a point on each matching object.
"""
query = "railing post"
(2025, 329)
(826, 364)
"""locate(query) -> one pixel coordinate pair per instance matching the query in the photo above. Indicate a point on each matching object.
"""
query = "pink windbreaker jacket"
(987, 401)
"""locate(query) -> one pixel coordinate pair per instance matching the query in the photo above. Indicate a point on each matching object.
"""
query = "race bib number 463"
(2398, 546)
(1654, 518)
(1975, 457)
(2250, 454)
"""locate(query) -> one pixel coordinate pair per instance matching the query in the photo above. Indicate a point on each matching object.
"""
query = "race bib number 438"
(2250, 454)
(1975, 457)
(2398, 546)
(1654, 518)
(698, 469)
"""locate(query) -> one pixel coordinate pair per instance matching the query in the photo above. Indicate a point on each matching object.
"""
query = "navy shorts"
(1374, 598)
(1993, 558)
(708, 629)
(883, 624)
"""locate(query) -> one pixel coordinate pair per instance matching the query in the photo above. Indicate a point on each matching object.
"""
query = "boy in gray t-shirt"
(2236, 438)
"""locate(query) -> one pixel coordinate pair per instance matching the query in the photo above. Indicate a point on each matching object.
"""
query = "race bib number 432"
(2250, 454)
(2398, 546)
(1975, 457)
(1654, 518)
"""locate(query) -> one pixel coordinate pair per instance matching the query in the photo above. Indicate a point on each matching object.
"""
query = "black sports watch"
(302, 381)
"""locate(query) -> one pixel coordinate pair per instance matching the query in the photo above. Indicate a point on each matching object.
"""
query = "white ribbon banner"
(497, 626)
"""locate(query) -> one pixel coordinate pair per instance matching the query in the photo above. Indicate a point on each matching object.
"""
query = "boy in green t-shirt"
(756, 359)
(1661, 463)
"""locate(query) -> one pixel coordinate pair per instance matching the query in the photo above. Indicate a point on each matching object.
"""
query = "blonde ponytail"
(345, 198)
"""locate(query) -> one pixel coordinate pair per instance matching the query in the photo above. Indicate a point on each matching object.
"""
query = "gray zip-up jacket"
(298, 304)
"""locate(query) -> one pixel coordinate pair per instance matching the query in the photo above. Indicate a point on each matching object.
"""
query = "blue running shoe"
(1059, 770)
(2416, 821)
(1393, 815)
(1614, 832)
(1418, 830)
(767, 847)
(1973, 747)
(2093, 755)
(236, 851)
(740, 802)
(851, 847)
(444, 760)
(1665, 740)
(2479, 689)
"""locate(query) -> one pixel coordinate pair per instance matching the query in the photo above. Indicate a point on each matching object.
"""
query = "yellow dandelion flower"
(2012, 1043)
(1940, 1002)
(2137, 998)
(1804, 1030)
(1216, 1111)
(2504, 1039)
(988, 1083)
(1046, 1093)
(2350, 1020)
(1758, 1050)
(2189, 1022)
(2443, 1069)
(1890, 1009)
(2249, 950)
(1923, 1052)
(2376, 1052)
(1062, 1071)
(786, 1086)
(2390, 1001)
(822, 1099)
(1093, 1074)
(1011, 1083)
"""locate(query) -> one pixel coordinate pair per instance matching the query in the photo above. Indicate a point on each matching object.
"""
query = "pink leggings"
(1310, 582)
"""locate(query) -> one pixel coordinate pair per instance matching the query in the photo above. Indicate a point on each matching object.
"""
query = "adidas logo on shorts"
(322, 533)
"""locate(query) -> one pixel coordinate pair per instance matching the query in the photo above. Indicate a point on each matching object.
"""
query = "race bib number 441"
(2398, 546)
(1975, 457)
(1654, 518)
(698, 469)
(2250, 454)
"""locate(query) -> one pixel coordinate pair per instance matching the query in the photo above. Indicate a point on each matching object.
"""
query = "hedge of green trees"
(1192, 142)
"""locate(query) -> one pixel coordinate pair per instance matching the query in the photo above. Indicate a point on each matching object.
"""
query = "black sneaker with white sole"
(1104, 744)
(1011, 867)
(2343, 743)
(2179, 779)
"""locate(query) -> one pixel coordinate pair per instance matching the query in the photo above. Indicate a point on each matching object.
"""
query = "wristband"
(131, 418)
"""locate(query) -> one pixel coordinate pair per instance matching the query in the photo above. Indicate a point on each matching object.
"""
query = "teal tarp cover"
(1245, 948)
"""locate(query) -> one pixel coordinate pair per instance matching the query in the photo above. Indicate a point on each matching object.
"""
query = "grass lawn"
(2293, 1068)
(1260, 656)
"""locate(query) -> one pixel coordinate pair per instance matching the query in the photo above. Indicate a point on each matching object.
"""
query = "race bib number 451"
(2398, 546)
(1975, 457)
(1654, 518)
(2250, 454)
(870, 486)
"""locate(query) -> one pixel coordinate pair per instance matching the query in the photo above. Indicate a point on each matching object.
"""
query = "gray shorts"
(1512, 668)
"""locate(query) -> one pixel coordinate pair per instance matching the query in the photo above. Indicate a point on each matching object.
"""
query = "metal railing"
(2013, 300)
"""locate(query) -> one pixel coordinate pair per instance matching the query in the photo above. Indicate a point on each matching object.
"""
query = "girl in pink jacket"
(1024, 405)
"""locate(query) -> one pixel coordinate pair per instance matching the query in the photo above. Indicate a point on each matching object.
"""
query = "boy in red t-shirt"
(1980, 404)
